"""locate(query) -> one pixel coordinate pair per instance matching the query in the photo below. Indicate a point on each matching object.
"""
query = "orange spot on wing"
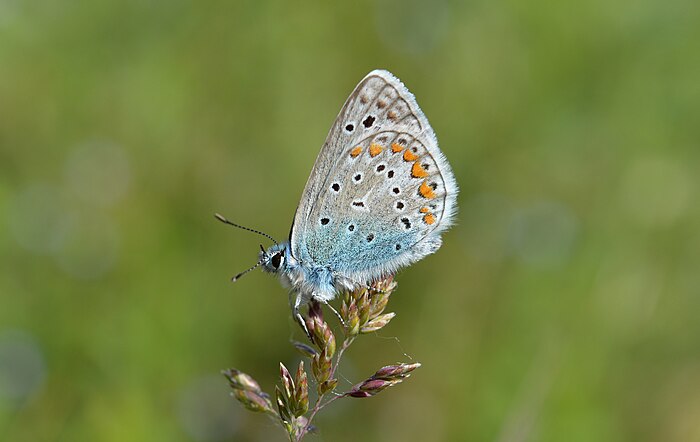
(375, 149)
(409, 156)
(392, 115)
(417, 171)
(424, 210)
(356, 151)
(426, 191)
(429, 218)
(396, 147)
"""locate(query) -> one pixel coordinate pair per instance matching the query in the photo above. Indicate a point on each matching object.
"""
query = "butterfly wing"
(381, 191)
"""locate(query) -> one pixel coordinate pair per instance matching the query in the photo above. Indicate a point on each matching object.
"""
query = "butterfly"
(379, 197)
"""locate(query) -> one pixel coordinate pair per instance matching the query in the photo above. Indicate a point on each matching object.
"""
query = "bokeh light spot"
(88, 245)
(22, 368)
(543, 234)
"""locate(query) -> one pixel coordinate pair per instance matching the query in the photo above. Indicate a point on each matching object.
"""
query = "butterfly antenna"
(237, 277)
(262, 260)
(225, 221)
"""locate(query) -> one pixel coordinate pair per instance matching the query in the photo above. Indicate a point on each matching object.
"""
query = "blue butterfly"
(378, 198)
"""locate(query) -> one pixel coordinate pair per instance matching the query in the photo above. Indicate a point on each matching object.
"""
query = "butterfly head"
(275, 258)
(272, 260)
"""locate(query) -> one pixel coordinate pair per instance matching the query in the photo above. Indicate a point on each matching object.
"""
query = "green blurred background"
(563, 306)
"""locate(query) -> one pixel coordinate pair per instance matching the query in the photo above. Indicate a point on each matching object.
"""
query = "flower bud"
(352, 324)
(363, 305)
(321, 367)
(253, 401)
(377, 323)
(240, 381)
(283, 405)
(301, 393)
(305, 350)
(395, 371)
(315, 311)
(371, 387)
(379, 302)
(329, 385)
(287, 381)
(329, 342)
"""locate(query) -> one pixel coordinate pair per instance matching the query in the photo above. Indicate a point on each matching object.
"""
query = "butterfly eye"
(276, 260)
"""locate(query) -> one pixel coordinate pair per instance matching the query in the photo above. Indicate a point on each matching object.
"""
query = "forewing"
(380, 191)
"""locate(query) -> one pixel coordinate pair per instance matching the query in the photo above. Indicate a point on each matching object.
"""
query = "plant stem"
(346, 344)
(318, 405)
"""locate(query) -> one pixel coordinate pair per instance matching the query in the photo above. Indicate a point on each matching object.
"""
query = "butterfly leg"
(340, 318)
(374, 289)
(297, 314)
